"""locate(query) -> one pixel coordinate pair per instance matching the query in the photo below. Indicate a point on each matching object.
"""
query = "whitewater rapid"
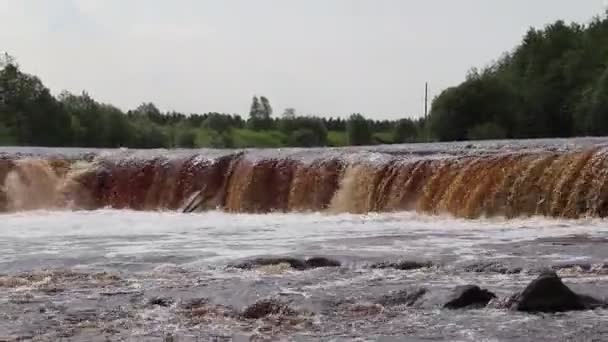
(119, 260)
(217, 236)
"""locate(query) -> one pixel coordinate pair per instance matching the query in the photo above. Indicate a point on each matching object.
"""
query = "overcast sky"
(325, 57)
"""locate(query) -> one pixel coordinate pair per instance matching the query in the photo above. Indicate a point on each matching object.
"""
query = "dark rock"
(318, 262)
(491, 267)
(294, 263)
(591, 302)
(195, 302)
(469, 296)
(547, 293)
(267, 307)
(403, 297)
(403, 265)
(160, 301)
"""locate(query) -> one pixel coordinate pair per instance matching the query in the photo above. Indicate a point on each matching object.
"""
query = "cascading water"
(567, 184)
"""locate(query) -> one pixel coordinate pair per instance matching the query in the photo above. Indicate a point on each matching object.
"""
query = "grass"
(248, 138)
(337, 138)
(383, 137)
(203, 138)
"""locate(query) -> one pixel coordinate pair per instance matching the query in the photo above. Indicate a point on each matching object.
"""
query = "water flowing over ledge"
(556, 178)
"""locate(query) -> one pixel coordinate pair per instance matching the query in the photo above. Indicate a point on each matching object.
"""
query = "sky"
(321, 57)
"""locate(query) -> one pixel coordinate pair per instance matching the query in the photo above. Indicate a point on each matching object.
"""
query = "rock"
(294, 263)
(364, 310)
(547, 293)
(405, 265)
(318, 262)
(160, 301)
(404, 297)
(491, 267)
(582, 267)
(267, 307)
(469, 296)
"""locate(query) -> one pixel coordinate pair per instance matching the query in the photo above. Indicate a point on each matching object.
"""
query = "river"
(109, 272)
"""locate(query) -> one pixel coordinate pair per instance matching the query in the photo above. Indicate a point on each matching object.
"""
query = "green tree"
(186, 138)
(220, 123)
(149, 111)
(358, 130)
(289, 113)
(405, 131)
(7, 137)
(260, 114)
(312, 130)
(486, 131)
(29, 111)
(592, 111)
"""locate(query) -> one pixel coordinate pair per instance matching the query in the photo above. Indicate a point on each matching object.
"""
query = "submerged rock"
(161, 301)
(469, 296)
(492, 267)
(199, 309)
(404, 265)
(295, 263)
(267, 307)
(403, 297)
(319, 262)
(581, 266)
(547, 293)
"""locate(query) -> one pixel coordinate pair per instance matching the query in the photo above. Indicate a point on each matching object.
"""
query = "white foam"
(218, 235)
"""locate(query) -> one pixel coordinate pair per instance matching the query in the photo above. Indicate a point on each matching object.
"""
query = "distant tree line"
(554, 84)
(31, 115)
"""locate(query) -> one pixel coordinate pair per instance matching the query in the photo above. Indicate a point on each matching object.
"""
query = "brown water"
(559, 178)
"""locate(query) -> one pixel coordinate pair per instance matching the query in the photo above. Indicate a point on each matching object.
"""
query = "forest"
(554, 84)
(31, 116)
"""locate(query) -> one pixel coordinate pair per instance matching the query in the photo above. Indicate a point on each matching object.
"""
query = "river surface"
(164, 276)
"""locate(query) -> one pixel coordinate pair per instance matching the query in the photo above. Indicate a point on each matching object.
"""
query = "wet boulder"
(266, 308)
(404, 265)
(319, 262)
(403, 297)
(469, 296)
(294, 263)
(547, 293)
(492, 267)
(161, 301)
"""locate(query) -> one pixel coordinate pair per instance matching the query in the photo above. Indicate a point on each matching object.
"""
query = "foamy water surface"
(121, 259)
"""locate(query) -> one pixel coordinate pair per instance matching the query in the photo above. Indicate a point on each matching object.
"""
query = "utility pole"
(426, 100)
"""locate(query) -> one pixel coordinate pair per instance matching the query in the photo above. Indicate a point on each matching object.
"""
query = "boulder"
(295, 263)
(267, 307)
(492, 267)
(404, 297)
(469, 296)
(160, 301)
(318, 262)
(404, 265)
(547, 293)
